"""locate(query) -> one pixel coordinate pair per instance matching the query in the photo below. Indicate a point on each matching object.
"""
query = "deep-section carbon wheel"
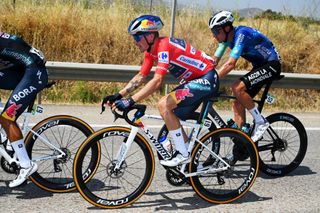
(283, 146)
(223, 180)
(113, 187)
(66, 133)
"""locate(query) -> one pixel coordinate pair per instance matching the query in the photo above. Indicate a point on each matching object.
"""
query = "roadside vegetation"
(96, 32)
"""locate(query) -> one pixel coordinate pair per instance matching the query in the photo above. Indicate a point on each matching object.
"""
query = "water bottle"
(246, 128)
(232, 124)
(165, 142)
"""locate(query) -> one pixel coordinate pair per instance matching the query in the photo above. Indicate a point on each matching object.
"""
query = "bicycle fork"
(125, 146)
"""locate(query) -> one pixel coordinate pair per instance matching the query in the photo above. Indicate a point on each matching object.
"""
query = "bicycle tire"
(289, 152)
(229, 185)
(67, 133)
(111, 188)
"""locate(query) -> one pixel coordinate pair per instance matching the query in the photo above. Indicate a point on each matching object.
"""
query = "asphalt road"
(297, 192)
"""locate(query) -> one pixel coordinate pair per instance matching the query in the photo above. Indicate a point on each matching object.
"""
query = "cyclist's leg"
(9, 79)
(239, 113)
(165, 107)
(189, 94)
(32, 82)
(249, 86)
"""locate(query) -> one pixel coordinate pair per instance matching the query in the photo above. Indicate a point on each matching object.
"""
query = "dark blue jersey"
(250, 44)
(16, 52)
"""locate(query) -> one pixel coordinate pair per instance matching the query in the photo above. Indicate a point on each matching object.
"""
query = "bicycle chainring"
(174, 179)
(11, 169)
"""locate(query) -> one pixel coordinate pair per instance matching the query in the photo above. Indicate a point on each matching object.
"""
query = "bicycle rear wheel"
(231, 183)
(67, 133)
(111, 187)
(283, 146)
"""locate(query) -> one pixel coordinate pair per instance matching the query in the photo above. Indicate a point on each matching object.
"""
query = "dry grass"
(77, 32)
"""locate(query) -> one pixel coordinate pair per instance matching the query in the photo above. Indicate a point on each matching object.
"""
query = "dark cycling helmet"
(145, 24)
(221, 19)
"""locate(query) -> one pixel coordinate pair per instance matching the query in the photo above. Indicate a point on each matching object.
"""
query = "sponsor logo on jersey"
(4, 35)
(180, 43)
(27, 60)
(240, 38)
(192, 62)
(22, 94)
(201, 81)
(163, 57)
(193, 50)
(181, 94)
(11, 111)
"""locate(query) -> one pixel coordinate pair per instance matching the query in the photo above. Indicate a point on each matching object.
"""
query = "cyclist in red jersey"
(194, 69)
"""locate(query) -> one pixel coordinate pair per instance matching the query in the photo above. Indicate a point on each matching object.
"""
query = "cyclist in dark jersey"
(255, 47)
(22, 69)
(192, 67)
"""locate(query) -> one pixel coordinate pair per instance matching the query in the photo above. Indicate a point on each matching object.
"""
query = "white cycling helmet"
(221, 19)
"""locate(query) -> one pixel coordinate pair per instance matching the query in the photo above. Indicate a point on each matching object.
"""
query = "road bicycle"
(281, 149)
(126, 166)
(52, 144)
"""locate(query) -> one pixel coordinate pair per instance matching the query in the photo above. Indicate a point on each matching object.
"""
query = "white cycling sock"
(22, 154)
(256, 115)
(177, 137)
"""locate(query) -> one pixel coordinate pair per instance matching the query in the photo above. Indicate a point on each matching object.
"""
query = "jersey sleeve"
(163, 58)
(221, 49)
(147, 64)
(239, 44)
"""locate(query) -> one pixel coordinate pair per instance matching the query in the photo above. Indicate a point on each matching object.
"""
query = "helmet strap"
(227, 33)
(151, 43)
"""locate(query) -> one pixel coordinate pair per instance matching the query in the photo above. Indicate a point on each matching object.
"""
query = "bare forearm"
(224, 70)
(134, 83)
(227, 67)
(148, 89)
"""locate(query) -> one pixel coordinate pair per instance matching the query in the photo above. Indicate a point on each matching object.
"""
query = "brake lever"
(115, 115)
(103, 108)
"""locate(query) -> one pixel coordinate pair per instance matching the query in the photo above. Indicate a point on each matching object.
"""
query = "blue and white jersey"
(250, 44)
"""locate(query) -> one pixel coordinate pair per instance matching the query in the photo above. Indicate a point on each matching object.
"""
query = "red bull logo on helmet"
(149, 25)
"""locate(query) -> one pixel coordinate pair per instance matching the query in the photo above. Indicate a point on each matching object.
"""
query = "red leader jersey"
(179, 58)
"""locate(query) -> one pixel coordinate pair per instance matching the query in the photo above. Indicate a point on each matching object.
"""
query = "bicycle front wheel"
(223, 181)
(283, 146)
(112, 187)
(42, 143)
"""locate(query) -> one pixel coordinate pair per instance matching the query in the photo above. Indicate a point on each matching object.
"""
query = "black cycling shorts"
(192, 93)
(258, 77)
(26, 84)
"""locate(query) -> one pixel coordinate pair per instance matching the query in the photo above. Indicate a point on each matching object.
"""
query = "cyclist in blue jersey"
(22, 69)
(256, 48)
